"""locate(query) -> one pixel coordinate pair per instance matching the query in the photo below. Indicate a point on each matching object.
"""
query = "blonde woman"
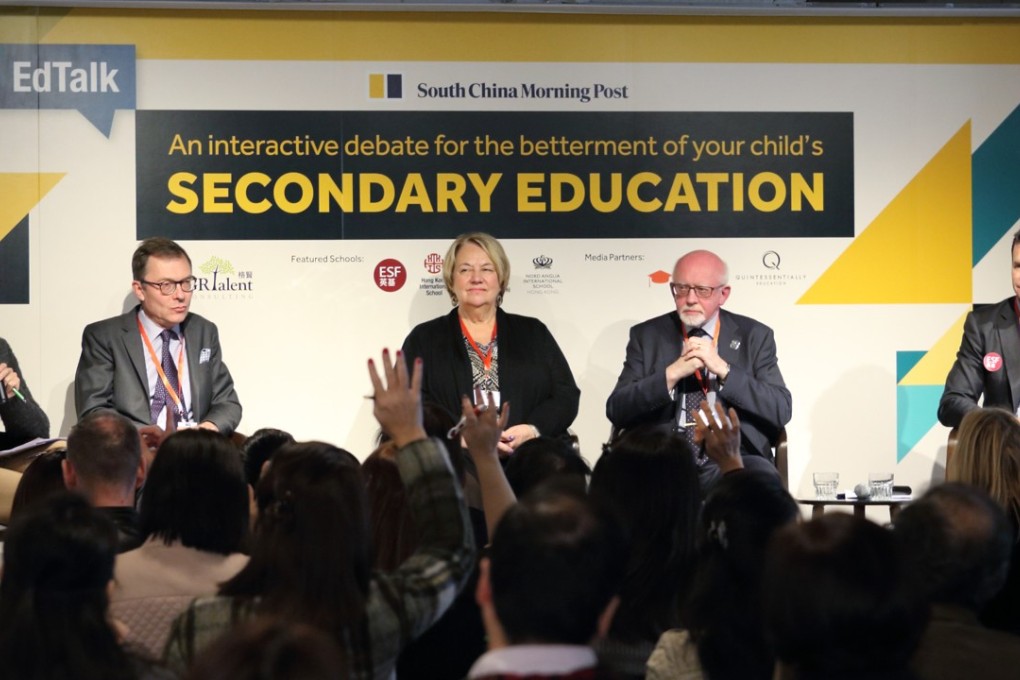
(988, 457)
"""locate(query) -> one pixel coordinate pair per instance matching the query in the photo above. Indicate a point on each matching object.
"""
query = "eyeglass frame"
(192, 280)
(697, 290)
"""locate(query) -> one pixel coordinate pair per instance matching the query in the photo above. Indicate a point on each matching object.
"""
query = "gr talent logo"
(390, 275)
(222, 277)
(385, 86)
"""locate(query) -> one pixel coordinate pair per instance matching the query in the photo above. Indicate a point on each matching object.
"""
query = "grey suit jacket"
(991, 329)
(754, 387)
(111, 372)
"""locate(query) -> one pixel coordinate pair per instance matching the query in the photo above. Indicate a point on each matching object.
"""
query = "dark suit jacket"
(111, 372)
(534, 376)
(754, 386)
(989, 329)
(23, 420)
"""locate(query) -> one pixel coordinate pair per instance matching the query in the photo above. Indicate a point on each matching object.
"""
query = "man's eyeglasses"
(170, 287)
(681, 290)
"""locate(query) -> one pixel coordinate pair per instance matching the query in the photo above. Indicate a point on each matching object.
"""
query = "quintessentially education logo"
(773, 277)
(770, 259)
(96, 80)
(433, 263)
(390, 275)
(220, 276)
(542, 262)
(385, 86)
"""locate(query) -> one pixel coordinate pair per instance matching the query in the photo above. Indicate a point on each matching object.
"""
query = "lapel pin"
(734, 344)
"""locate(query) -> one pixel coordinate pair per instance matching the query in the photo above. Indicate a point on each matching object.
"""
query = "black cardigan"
(534, 376)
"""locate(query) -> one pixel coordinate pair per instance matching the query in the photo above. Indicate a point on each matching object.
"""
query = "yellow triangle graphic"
(22, 192)
(918, 249)
(934, 366)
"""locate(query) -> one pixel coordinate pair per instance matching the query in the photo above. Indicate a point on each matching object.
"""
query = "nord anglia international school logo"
(222, 277)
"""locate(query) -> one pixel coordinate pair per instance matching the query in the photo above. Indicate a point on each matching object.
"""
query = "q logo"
(770, 259)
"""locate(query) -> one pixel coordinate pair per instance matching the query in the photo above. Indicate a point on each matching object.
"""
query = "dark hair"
(556, 560)
(104, 447)
(155, 246)
(836, 603)
(58, 561)
(394, 536)
(723, 610)
(956, 544)
(260, 447)
(536, 460)
(648, 476)
(195, 493)
(43, 476)
(266, 648)
(311, 554)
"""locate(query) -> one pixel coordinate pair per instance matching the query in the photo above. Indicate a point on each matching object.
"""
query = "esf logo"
(390, 275)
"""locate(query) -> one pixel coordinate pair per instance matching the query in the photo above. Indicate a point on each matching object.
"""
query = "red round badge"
(992, 362)
(390, 275)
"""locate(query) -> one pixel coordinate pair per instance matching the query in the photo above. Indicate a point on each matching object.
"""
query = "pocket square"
(203, 356)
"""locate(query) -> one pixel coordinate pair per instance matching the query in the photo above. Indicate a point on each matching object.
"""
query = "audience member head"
(988, 456)
(270, 649)
(554, 565)
(196, 493)
(394, 537)
(956, 544)
(542, 458)
(43, 476)
(58, 565)
(437, 423)
(648, 476)
(836, 601)
(311, 554)
(104, 459)
(723, 611)
(259, 448)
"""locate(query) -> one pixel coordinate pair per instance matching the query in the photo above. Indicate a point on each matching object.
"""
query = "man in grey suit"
(158, 363)
(988, 362)
(701, 352)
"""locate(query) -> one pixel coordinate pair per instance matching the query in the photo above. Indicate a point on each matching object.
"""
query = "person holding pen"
(22, 418)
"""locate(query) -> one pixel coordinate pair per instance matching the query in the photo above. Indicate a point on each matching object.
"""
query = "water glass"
(826, 485)
(881, 484)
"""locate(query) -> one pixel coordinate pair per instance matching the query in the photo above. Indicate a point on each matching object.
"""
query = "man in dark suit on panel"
(988, 362)
(158, 363)
(701, 352)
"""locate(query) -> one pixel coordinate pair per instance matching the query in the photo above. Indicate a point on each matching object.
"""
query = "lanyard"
(715, 343)
(159, 368)
(485, 357)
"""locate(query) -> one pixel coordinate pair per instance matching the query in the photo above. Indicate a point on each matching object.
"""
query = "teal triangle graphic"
(905, 361)
(995, 176)
(916, 413)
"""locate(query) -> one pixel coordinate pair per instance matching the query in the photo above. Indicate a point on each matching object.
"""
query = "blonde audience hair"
(987, 456)
(491, 247)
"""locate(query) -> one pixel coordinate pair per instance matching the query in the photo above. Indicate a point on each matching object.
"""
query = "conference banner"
(395, 175)
(857, 174)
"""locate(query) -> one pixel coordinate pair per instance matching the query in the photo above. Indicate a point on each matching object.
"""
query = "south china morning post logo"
(220, 279)
(95, 80)
(385, 86)
(579, 92)
(774, 275)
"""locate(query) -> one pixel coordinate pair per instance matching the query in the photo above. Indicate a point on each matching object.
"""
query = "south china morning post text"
(567, 91)
(403, 175)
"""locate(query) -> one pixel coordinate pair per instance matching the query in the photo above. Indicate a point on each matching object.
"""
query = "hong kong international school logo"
(220, 276)
(385, 86)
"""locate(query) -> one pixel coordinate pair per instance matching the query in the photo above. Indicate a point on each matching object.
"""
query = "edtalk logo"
(390, 275)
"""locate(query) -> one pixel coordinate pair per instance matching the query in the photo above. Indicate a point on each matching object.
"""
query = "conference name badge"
(992, 362)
